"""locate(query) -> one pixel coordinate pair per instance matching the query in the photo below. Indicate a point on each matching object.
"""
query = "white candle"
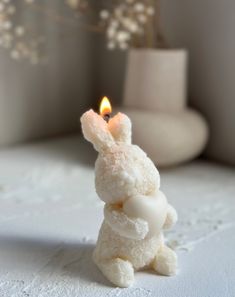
(136, 211)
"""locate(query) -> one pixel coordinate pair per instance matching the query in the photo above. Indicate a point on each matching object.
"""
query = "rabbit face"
(125, 171)
(122, 169)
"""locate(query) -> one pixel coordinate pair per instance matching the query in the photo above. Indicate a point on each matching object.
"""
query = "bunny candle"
(136, 212)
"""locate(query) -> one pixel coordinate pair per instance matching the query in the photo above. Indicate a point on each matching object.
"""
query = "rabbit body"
(124, 177)
(139, 252)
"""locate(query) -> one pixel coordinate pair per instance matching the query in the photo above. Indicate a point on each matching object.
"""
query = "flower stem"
(63, 20)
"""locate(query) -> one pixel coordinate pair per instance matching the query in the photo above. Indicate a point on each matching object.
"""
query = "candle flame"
(105, 106)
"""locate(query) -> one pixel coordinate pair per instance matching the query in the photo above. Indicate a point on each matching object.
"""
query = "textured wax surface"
(139, 252)
(126, 178)
(50, 217)
(124, 170)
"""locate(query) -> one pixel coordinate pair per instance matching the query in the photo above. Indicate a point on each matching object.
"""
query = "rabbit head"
(122, 169)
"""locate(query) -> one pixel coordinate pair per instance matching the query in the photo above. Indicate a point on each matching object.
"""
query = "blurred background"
(58, 58)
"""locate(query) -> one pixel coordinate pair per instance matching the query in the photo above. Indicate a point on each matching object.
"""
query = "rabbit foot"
(117, 271)
(165, 262)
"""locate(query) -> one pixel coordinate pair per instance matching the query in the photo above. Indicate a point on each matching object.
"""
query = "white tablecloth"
(50, 216)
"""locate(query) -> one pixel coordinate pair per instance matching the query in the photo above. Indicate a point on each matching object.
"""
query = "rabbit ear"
(120, 128)
(95, 130)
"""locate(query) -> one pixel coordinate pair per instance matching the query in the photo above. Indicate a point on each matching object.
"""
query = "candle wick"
(106, 117)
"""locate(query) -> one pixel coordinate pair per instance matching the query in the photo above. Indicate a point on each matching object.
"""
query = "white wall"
(206, 28)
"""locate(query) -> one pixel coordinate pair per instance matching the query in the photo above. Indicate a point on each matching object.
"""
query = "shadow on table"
(48, 259)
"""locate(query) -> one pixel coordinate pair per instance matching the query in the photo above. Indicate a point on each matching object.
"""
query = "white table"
(50, 217)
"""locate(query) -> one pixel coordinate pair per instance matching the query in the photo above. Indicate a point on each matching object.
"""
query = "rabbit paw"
(165, 262)
(118, 271)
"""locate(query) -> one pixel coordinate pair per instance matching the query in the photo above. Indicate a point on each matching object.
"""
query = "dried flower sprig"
(125, 23)
(20, 42)
(128, 23)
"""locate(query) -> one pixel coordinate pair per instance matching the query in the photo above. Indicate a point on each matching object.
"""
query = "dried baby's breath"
(125, 23)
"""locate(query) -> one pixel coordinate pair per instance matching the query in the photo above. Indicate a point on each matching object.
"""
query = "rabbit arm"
(127, 227)
(171, 217)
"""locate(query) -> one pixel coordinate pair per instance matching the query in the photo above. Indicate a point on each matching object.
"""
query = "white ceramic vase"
(156, 79)
(155, 97)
